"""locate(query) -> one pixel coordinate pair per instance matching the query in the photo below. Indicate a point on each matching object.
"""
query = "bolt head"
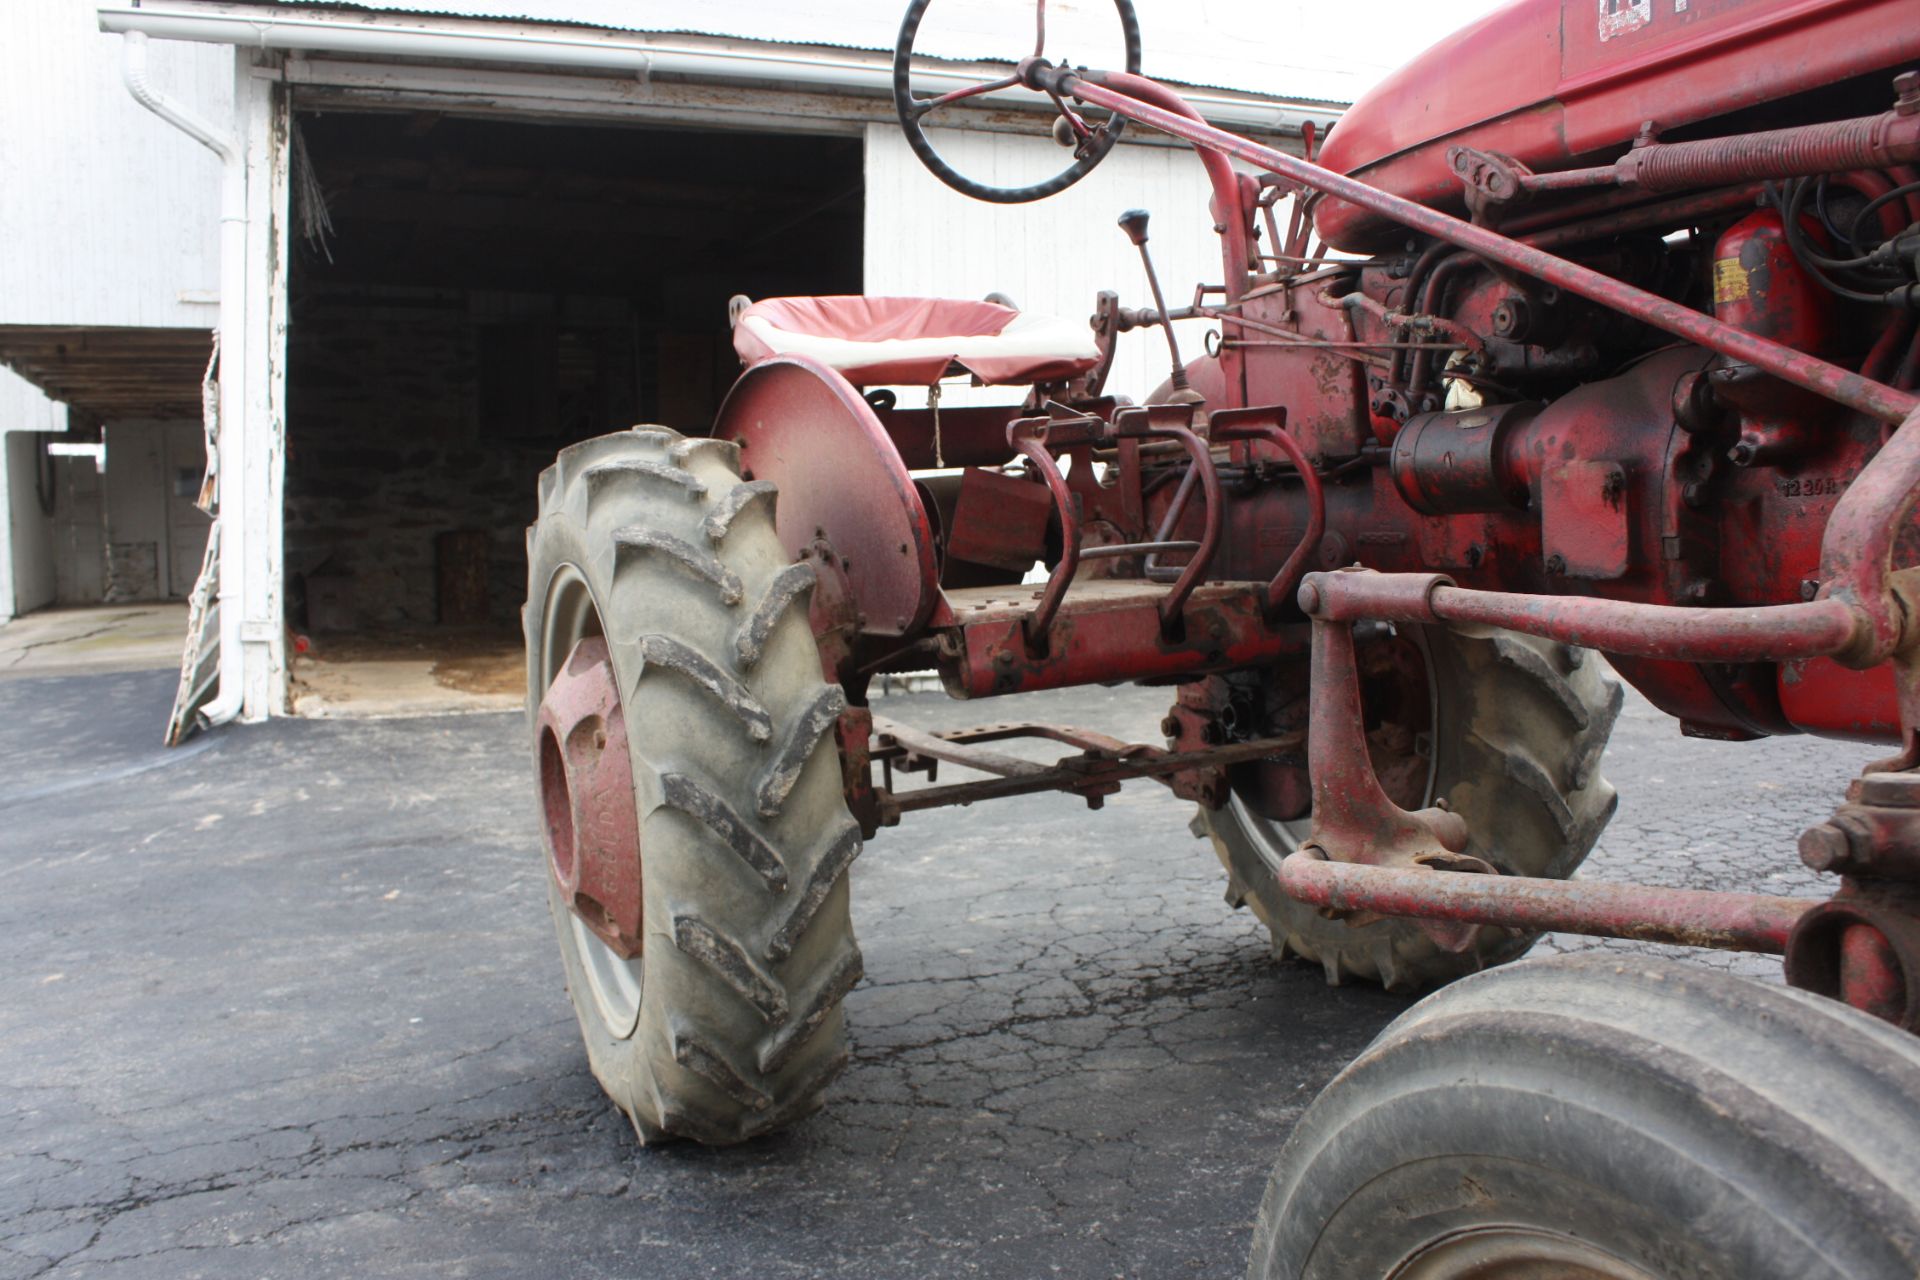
(1809, 588)
(1824, 847)
(1556, 563)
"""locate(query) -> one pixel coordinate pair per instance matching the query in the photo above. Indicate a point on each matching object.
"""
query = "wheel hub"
(1514, 1253)
(586, 798)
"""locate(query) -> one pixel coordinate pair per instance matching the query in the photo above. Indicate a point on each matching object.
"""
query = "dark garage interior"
(469, 295)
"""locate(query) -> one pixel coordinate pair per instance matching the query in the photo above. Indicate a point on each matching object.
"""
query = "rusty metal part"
(1128, 549)
(1584, 519)
(1856, 551)
(1868, 142)
(1169, 422)
(1354, 819)
(1570, 226)
(800, 424)
(586, 797)
(1134, 223)
(1863, 946)
(1269, 424)
(1458, 461)
(1769, 633)
(1029, 438)
(1121, 92)
(1231, 202)
(1874, 835)
(1107, 629)
(969, 435)
(954, 748)
(853, 735)
(1685, 917)
(1097, 772)
(999, 520)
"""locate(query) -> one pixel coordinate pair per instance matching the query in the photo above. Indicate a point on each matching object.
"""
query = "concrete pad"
(445, 671)
(94, 639)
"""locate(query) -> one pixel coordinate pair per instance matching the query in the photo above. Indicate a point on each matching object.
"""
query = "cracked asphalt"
(287, 1003)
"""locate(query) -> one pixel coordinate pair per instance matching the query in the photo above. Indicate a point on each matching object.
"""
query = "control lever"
(1134, 223)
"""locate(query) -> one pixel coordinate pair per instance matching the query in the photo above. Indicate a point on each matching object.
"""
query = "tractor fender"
(804, 427)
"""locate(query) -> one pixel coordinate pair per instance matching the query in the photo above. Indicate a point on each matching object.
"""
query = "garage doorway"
(467, 296)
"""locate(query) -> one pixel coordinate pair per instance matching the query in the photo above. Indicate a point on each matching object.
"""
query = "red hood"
(1554, 83)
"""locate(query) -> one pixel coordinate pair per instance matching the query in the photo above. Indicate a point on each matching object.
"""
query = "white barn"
(437, 239)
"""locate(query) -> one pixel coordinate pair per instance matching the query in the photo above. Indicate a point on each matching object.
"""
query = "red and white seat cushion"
(914, 341)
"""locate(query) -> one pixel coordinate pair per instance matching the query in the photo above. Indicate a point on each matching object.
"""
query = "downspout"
(226, 702)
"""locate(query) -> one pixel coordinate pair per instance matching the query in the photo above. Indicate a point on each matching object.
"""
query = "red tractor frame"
(1579, 334)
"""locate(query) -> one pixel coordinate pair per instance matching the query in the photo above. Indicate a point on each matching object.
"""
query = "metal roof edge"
(338, 26)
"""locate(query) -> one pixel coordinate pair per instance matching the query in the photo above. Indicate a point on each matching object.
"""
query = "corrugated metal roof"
(1293, 49)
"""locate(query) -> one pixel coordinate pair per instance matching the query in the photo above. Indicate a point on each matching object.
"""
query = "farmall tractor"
(1586, 345)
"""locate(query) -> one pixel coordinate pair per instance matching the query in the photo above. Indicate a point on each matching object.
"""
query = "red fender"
(801, 425)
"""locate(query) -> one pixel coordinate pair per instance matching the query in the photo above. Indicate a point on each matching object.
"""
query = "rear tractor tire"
(1508, 729)
(654, 557)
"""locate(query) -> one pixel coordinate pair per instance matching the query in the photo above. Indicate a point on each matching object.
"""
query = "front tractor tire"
(1508, 730)
(1606, 1117)
(719, 1018)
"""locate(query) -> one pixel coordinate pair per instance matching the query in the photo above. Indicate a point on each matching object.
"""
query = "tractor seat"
(916, 341)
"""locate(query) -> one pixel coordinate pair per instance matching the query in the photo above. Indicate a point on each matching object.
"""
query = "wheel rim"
(613, 979)
(1514, 1253)
(1277, 838)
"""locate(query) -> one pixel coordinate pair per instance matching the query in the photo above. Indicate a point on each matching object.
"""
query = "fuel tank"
(1558, 84)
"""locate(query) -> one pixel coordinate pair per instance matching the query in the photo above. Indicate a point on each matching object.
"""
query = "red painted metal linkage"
(1770, 633)
(1124, 93)
(1686, 917)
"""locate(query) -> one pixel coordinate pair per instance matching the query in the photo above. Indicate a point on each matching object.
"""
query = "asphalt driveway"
(286, 1003)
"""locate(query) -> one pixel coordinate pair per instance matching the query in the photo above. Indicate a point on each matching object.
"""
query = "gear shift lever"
(1134, 223)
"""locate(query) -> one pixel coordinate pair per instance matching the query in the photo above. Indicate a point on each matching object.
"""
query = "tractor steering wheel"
(1091, 144)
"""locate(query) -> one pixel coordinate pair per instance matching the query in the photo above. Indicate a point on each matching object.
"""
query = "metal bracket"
(1174, 422)
(1096, 772)
(1354, 820)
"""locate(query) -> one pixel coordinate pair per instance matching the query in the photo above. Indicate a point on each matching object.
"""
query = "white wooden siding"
(26, 532)
(1052, 256)
(107, 213)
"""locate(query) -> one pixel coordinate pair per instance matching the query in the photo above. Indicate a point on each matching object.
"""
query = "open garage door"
(470, 295)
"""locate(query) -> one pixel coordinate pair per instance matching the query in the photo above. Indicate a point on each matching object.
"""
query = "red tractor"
(1587, 344)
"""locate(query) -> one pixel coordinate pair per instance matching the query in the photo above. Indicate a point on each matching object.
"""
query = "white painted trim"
(643, 57)
(260, 107)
